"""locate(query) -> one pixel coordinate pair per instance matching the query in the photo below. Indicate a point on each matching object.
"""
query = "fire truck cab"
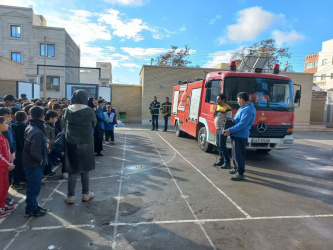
(194, 103)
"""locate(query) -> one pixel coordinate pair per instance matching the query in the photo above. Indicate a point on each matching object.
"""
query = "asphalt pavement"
(156, 191)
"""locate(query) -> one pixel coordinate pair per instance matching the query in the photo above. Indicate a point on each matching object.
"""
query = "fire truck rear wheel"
(202, 140)
(179, 133)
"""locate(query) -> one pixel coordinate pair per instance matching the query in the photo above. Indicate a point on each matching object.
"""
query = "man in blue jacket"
(239, 133)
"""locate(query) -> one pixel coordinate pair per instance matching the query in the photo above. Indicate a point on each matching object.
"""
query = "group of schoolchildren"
(28, 131)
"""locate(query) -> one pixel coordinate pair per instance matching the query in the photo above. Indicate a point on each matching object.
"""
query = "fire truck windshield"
(265, 93)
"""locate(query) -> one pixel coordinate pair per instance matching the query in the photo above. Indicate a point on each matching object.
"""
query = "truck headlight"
(288, 141)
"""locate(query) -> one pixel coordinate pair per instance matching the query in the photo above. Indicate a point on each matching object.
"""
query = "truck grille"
(271, 132)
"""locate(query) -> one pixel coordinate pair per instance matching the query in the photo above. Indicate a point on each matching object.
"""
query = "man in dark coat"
(80, 158)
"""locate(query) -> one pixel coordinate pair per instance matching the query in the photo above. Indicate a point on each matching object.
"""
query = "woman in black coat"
(80, 158)
(98, 132)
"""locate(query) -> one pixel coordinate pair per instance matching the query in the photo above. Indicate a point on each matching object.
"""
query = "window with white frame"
(15, 31)
(324, 62)
(16, 56)
(323, 77)
(50, 50)
(103, 83)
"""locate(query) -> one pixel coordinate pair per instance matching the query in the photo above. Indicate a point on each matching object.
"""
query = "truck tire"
(263, 151)
(202, 140)
(179, 133)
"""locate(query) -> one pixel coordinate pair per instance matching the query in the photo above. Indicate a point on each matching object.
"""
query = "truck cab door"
(209, 104)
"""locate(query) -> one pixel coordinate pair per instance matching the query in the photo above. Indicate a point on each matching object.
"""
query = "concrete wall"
(302, 113)
(7, 87)
(159, 81)
(318, 107)
(127, 98)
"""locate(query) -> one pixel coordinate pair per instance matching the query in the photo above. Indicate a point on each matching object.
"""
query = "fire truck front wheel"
(202, 140)
(179, 133)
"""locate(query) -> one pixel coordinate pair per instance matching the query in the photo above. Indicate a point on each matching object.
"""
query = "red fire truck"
(193, 105)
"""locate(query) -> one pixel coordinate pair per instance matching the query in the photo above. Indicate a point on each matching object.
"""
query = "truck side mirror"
(297, 97)
(208, 85)
(208, 95)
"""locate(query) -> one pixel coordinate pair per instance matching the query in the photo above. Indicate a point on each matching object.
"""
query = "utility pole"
(151, 61)
(44, 78)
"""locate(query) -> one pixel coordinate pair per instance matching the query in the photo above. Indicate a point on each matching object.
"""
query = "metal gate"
(328, 119)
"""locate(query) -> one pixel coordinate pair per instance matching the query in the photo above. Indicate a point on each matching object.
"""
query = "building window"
(324, 62)
(50, 50)
(52, 83)
(314, 78)
(323, 77)
(311, 65)
(16, 57)
(103, 83)
(331, 75)
(15, 31)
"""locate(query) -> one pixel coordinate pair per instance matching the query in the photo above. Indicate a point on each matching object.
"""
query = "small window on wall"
(324, 62)
(50, 50)
(52, 83)
(16, 57)
(15, 31)
(104, 84)
(323, 77)
(331, 75)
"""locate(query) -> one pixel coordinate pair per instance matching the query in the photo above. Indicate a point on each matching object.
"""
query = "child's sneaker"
(70, 200)
(16, 187)
(49, 175)
(3, 213)
(87, 197)
(9, 208)
(37, 213)
(65, 176)
(9, 202)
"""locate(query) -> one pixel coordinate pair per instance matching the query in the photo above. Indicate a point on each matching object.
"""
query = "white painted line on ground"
(121, 159)
(182, 195)
(217, 188)
(115, 232)
(59, 227)
(25, 224)
(202, 221)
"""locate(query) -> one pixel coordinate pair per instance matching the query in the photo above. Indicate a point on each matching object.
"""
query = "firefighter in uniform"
(166, 112)
(154, 109)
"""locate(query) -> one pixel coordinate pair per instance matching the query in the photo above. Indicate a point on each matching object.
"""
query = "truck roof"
(218, 74)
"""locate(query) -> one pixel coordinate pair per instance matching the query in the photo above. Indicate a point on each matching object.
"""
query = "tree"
(174, 57)
(266, 48)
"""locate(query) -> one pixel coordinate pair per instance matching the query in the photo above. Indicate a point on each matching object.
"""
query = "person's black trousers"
(109, 133)
(166, 123)
(238, 153)
(154, 121)
(222, 147)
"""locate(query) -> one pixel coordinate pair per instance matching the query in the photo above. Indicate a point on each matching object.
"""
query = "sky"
(129, 33)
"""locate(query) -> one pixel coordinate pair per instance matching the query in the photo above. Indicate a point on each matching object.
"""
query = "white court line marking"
(223, 193)
(30, 219)
(182, 195)
(118, 200)
(121, 159)
(177, 222)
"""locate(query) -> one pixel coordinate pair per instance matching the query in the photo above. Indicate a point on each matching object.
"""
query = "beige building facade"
(92, 76)
(22, 38)
(323, 77)
(127, 98)
(10, 73)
